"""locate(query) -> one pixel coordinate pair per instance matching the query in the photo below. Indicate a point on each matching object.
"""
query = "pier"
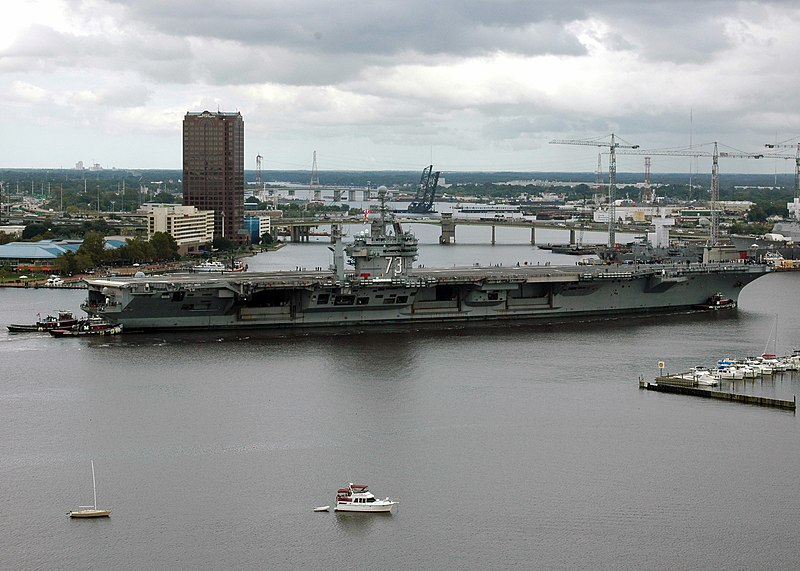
(668, 385)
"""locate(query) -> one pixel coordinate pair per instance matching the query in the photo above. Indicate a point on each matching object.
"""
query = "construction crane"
(715, 156)
(785, 145)
(645, 194)
(612, 146)
(426, 191)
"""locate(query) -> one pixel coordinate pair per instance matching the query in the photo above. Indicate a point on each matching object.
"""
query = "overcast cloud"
(466, 84)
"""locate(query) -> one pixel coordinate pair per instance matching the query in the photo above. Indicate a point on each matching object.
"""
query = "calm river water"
(509, 447)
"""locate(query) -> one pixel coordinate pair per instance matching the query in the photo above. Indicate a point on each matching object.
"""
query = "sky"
(466, 85)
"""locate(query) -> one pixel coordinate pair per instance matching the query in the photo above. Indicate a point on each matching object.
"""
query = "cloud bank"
(470, 85)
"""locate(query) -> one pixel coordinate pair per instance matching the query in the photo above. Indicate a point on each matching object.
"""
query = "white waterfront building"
(191, 228)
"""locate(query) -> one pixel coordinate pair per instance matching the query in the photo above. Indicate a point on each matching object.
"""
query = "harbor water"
(511, 446)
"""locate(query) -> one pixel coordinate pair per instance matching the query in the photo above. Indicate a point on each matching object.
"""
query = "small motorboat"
(322, 508)
(62, 320)
(726, 369)
(209, 266)
(701, 376)
(54, 281)
(707, 380)
(217, 266)
(358, 498)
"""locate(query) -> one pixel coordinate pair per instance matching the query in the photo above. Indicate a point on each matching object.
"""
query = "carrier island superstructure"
(384, 288)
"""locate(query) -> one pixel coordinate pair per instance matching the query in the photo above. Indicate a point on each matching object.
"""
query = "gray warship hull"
(289, 300)
(757, 247)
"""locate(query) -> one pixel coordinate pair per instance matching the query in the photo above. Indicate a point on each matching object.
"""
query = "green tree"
(93, 248)
(164, 246)
(68, 264)
(99, 226)
(756, 214)
(75, 263)
(34, 230)
(140, 250)
(164, 198)
(223, 244)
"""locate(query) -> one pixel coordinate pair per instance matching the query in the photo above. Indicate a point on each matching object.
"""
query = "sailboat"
(774, 339)
(90, 511)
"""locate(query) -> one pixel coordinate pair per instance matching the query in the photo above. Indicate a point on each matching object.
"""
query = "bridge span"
(301, 229)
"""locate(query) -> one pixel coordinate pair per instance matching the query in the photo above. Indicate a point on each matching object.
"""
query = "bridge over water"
(300, 229)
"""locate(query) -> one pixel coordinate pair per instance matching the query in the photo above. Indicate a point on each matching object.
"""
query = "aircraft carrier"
(383, 287)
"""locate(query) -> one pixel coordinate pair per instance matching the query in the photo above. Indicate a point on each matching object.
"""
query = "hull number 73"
(397, 262)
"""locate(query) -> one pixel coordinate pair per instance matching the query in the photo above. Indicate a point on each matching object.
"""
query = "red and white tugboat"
(716, 302)
(64, 320)
(358, 498)
(89, 326)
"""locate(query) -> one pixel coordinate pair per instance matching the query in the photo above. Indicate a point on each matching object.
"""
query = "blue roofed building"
(42, 255)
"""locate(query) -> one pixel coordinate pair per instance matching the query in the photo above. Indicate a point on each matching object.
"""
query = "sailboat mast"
(775, 351)
(94, 487)
(771, 338)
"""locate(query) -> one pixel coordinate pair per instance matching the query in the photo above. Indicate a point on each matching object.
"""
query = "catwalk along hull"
(308, 300)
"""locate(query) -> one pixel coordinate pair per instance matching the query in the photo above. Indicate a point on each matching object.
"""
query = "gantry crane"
(612, 173)
(426, 192)
(715, 156)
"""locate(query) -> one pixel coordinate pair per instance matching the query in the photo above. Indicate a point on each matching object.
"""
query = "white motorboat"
(756, 366)
(727, 374)
(766, 366)
(90, 511)
(209, 266)
(708, 380)
(773, 361)
(748, 372)
(727, 369)
(701, 376)
(358, 498)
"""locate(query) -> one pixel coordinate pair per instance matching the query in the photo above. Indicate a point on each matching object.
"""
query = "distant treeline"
(84, 192)
(170, 180)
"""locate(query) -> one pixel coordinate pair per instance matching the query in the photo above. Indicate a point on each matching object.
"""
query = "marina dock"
(667, 385)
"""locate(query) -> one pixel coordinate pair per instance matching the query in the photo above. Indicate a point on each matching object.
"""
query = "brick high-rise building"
(213, 170)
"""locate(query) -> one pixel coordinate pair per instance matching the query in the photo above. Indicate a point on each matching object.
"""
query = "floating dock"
(681, 389)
